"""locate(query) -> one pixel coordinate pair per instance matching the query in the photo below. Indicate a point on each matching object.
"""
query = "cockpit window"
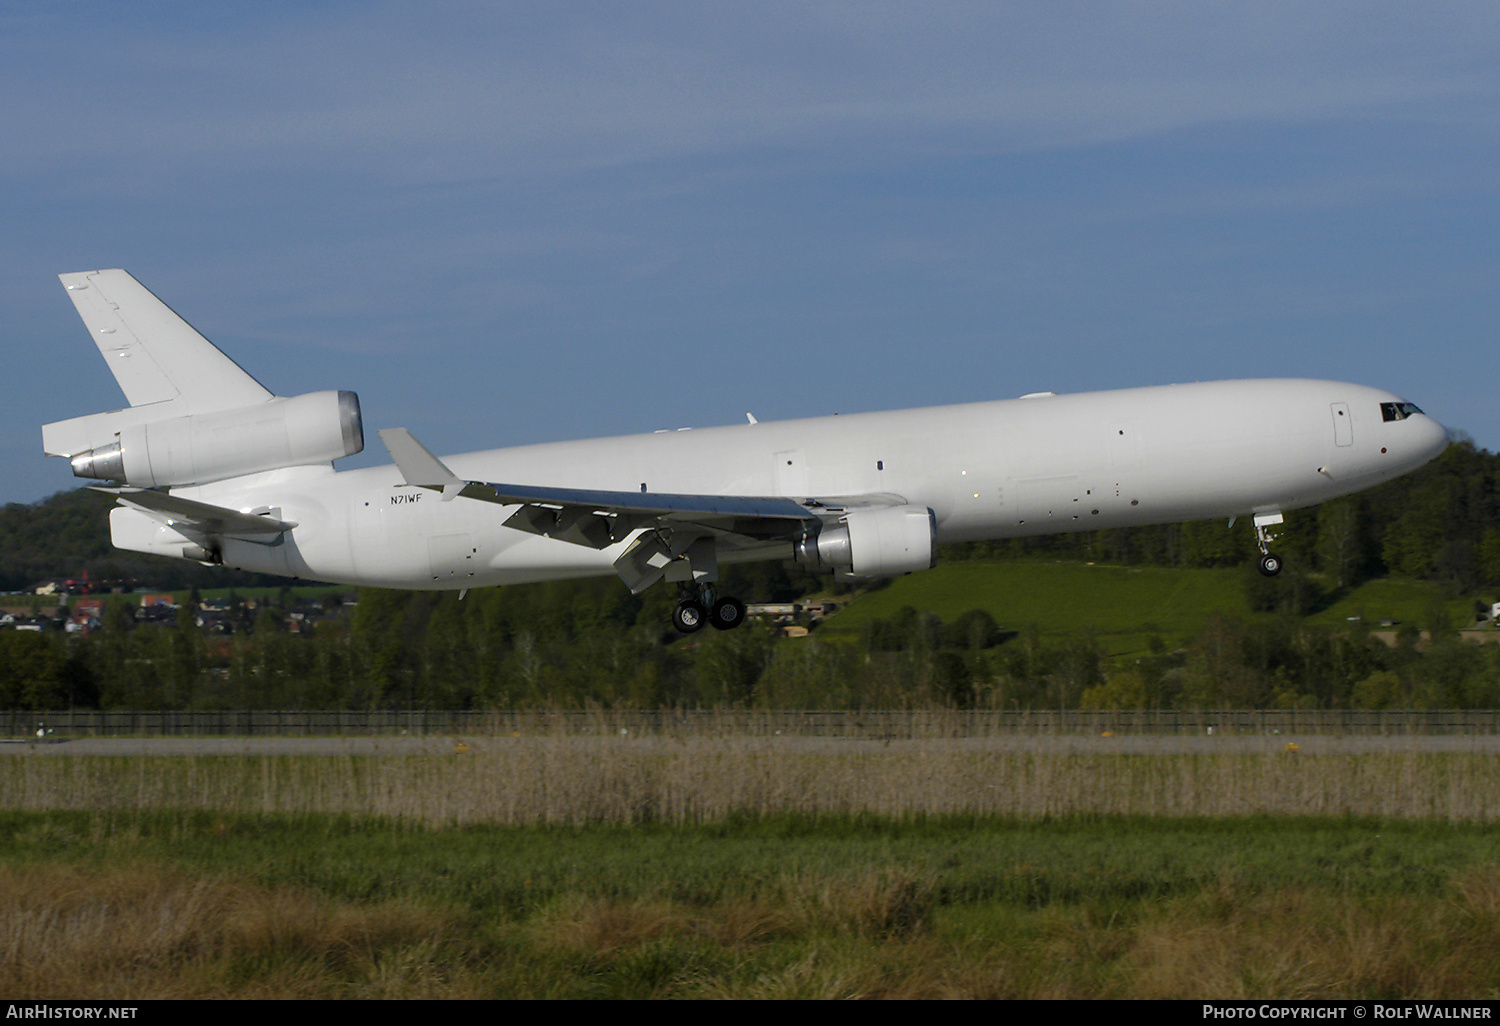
(1397, 411)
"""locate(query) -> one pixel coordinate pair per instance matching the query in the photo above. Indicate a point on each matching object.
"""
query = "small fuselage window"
(1397, 411)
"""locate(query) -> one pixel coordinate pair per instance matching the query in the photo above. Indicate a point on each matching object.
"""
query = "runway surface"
(1310, 744)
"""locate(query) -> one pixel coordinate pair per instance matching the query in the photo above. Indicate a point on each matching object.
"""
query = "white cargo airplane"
(208, 465)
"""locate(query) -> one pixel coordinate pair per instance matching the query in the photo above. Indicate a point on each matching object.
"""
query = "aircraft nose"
(1434, 438)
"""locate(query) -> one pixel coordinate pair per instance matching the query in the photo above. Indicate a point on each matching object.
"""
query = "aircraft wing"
(599, 518)
(196, 517)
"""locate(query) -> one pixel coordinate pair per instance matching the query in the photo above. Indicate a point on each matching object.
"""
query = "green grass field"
(742, 867)
(166, 904)
(1395, 598)
(1120, 606)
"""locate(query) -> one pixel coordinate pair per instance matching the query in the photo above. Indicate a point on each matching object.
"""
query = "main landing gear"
(1270, 563)
(698, 606)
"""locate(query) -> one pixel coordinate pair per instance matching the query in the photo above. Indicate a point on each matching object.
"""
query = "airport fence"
(893, 724)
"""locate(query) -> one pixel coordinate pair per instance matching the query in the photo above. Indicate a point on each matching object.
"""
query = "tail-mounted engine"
(198, 448)
(887, 541)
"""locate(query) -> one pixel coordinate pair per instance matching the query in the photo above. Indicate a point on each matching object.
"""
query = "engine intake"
(315, 428)
(883, 542)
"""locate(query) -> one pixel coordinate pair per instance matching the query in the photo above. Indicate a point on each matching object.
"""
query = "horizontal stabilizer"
(198, 517)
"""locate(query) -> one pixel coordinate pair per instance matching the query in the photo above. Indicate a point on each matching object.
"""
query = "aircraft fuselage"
(1010, 468)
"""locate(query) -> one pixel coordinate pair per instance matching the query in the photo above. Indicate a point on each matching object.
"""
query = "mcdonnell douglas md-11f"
(208, 465)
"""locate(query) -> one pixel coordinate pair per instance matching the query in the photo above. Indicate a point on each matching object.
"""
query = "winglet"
(420, 468)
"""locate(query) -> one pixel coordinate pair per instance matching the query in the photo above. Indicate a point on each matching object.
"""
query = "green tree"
(1489, 557)
(1126, 689)
(32, 670)
(1340, 545)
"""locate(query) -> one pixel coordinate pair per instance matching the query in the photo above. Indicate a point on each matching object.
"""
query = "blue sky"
(510, 223)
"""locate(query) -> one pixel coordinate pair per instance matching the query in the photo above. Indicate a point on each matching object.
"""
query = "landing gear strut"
(1270, 563)
(698, 606)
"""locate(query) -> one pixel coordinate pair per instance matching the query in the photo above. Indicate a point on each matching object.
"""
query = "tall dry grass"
(151, 933)
(875, 930)
(1232, 942)
(576, 780)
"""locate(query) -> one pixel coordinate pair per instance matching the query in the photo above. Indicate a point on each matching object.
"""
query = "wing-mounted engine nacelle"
(880, 542)
(198, 448)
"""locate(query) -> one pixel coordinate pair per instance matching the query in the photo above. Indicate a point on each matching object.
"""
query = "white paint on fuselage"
(1000, 469)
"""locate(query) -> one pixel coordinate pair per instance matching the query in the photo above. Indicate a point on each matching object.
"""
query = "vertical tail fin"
(154, 354)
(194, 415)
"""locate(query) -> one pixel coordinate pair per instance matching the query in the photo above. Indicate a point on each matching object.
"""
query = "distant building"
(89, 606)
(776, 609)
(785, 611)
(86, 615)
(79, 586)
(27, 618)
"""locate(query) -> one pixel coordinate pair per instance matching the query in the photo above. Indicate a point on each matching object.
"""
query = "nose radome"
(1426, 442)
(1437, 439)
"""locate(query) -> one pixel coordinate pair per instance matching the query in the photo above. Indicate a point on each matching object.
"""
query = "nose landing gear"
(1270, 563)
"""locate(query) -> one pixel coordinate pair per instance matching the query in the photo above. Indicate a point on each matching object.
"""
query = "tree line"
(570, 645)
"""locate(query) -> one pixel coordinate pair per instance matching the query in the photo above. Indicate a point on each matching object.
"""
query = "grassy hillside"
(1395, 598)
(1121, 606)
